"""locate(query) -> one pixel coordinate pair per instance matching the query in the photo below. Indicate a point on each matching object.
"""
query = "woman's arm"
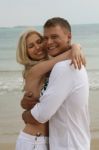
(46, 66)
(75, 54)
(37, 71)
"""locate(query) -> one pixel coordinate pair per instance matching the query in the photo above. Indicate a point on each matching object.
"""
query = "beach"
(11, 82)
(11, 123)
(11, 146)
(10, 119)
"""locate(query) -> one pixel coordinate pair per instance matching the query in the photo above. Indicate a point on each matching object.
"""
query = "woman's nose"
(37, 46)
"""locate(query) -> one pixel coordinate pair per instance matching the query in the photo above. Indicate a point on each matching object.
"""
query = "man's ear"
(69, 35)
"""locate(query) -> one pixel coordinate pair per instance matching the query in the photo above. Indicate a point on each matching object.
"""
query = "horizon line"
(16, 26)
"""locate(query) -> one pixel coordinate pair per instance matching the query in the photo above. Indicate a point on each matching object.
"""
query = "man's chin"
(51, 53)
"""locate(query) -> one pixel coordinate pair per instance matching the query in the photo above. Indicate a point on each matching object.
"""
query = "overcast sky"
(36, 12)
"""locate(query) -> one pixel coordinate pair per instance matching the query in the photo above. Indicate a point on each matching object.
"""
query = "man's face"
(57, 40)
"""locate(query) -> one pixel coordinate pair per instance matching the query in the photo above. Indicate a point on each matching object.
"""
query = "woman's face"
(34, 45)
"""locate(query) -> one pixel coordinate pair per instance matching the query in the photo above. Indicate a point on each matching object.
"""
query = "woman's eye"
(30, 46)
(39, 41)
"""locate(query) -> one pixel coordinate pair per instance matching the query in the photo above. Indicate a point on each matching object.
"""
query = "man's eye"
(54, 37)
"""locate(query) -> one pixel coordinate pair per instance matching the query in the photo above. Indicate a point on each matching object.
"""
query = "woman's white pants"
(28, 142)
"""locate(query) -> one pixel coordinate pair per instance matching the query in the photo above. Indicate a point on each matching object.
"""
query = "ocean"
(10, 71)
(86, 35)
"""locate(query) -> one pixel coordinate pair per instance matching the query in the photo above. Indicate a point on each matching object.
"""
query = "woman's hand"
(77, 56)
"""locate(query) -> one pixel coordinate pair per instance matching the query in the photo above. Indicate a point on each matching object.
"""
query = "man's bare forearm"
(28, 101)
(27, 104)
(28, 118)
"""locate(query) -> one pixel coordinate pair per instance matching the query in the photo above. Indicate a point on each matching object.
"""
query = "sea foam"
(13, 81)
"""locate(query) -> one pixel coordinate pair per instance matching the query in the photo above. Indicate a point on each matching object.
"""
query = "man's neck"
(66, 49)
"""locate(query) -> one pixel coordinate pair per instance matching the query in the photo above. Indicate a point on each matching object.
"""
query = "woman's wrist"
(76, 46)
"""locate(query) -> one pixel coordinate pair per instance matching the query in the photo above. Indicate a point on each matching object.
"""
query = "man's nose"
(49, 41)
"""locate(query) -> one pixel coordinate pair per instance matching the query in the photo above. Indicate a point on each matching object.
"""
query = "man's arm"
(28, 118)
(59, 87)
(28, 101)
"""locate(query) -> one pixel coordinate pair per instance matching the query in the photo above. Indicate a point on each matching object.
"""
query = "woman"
(33, 56)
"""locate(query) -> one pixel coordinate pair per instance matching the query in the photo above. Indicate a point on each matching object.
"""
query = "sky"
(36, 12)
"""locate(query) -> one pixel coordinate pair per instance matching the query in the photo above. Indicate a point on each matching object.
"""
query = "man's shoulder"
(62, 64)
(61, 67)
(66, 67)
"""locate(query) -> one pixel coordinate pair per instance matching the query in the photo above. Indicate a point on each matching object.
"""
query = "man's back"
(69, 126)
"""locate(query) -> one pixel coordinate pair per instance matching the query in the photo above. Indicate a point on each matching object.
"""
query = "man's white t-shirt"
(65, 105)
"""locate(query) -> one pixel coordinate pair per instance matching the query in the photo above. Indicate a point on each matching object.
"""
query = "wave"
(11, 85)
(13, 81)
(93, 79)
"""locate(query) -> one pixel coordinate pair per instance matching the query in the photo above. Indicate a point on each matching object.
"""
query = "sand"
(11, 122)
(7, 146)
(11, 146)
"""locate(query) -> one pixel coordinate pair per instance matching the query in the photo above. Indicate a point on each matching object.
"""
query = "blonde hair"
(21, 53)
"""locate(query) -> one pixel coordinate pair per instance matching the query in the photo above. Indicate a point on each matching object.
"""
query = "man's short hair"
(57, 21)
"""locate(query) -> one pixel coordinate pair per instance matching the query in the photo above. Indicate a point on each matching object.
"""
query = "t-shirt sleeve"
(59, 88)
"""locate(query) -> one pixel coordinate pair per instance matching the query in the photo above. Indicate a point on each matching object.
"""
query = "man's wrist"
(28, 118)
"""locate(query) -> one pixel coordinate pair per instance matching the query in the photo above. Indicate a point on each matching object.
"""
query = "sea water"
(10, 79)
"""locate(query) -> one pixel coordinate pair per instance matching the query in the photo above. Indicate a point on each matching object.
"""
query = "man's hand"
(77, 56)
(28, 101)
(28, 118)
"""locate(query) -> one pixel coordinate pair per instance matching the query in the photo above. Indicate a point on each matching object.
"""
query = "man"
(65, 101)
